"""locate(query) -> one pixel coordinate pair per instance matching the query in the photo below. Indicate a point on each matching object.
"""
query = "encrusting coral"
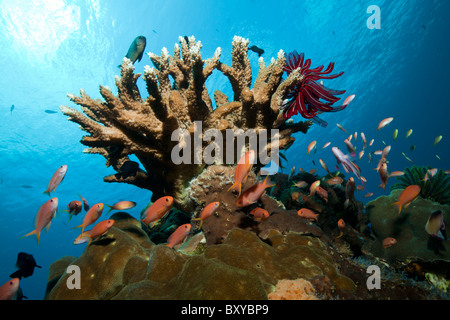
(128, 124)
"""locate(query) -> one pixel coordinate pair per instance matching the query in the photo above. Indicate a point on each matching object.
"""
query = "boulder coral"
(177, 110)
(125, 264)
(408, 228)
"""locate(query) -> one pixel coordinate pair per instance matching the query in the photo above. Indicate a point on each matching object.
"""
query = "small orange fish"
(324, 166)
(355, 135)
(348, 99)
(384, 123)
(326, 145)
(385, 152)
(313, 187)
(311, 146)
(335, 180)
(254, 193)
(341, 127)
(121, 205)
(361, 153)
(363, 137)
(207, 212)
(56, 179)
(389, 242)
(368, 195)
(301, 184)
(157, 211)
(83, 238)
(312, 171)
(359, 188)
(242, 170)
(371, 142)
(91, 216)
(349, 192)
(100, 229)
(341, 226)
(44, 217)
(322, 193)
(396, 174)
(179, 235)
(408, 195)
(9, 289)
(259, 214)
(383, 175)
(308, 214)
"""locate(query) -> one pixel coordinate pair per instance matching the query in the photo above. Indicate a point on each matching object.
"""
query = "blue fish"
(12, 108)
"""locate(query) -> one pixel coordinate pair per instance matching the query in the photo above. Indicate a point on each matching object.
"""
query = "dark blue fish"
(26, 264)
(259, 51)
(12, 108)
(136, 49)
(50, 111)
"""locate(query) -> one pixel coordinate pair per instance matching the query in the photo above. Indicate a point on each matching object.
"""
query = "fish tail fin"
(267, 182)
(110, 208)
(234, 186)
(47, 192)
(399, 206)
(29, 234)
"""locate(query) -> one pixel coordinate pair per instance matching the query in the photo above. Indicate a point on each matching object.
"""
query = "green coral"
(437, 188)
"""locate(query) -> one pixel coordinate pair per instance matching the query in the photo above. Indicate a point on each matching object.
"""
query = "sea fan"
(437, 188)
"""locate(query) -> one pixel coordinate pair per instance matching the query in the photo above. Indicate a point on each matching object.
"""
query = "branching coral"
(435, 187)
(128, 124)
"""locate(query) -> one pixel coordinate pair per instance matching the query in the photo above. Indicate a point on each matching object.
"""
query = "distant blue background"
(51, 48)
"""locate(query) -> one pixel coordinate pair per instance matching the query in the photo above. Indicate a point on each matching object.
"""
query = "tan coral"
(298, 289)
(127, 124)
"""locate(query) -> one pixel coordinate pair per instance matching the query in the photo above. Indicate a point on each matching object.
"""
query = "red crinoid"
(307, 95)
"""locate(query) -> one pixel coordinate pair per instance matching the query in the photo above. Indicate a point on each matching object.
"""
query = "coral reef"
(151, 128)
(298, 289)
(408, 227)
(436, 187)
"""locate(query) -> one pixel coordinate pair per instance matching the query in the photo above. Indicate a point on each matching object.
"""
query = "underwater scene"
(224, 150)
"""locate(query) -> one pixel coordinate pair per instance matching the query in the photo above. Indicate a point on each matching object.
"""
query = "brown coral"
(127, 124)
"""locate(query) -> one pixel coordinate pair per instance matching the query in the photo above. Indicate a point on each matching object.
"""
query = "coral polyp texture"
(128, 124)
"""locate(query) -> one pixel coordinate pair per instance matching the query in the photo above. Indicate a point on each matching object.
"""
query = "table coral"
(128, 124)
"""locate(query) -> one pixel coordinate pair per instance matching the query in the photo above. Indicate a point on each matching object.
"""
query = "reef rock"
(408, 228)
(125, 264)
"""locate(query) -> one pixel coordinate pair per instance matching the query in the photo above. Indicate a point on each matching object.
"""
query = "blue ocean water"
(54, 47)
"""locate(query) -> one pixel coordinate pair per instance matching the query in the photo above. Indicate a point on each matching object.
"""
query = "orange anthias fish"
(44, 217)
(384, 123)
(56, 179)
(322, 193)
(341, 226)
(335, 180)
(383, 175)
(308, 214)
(83, 238)
(300, 184)
(100, 229)
(242, 170)
(91, 216)
(9, 289)
(396, 174)
(157, 211)
(207, 212)
(389, 242)
(408, 195)
(254, 193)
(313, 187)
(341, 127)
(259, 214)
(121, 205)
(324, 165)
(349, 192)
(311, 146)
(179, 235)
